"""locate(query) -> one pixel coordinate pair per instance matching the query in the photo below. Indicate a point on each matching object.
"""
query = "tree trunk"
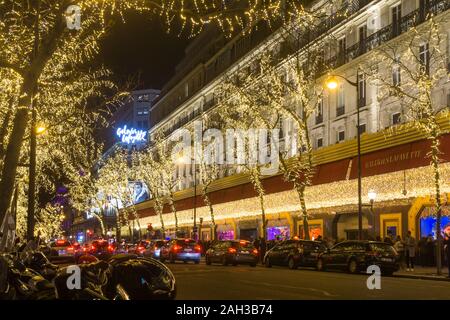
(174, 210)
(3, 130)
(12, 154)
(301, 195)
(211, 212)
(437, 184)
(263, 217)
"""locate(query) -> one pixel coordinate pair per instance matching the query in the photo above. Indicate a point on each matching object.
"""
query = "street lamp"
(372, 195)
(332, 84)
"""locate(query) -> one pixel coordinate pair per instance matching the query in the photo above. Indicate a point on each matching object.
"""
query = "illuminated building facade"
(394, 163)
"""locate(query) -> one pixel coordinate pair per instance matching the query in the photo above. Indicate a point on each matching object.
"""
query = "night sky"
(142, 46)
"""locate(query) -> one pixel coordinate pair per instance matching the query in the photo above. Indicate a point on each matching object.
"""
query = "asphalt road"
(216, 282)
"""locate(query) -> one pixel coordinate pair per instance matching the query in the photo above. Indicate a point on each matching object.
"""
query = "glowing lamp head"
(331, 83)
(372, 195)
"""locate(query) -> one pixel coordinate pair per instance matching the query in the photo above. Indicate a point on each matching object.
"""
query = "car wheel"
(208, 262)
(185, 261)
(320, 266)
(253, 265)
(291, 263)
(197, 261)
(352, 266)
(224, 261)
(235, 263)
(267, 263)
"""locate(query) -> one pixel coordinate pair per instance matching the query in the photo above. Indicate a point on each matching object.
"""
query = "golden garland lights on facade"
(332, 195)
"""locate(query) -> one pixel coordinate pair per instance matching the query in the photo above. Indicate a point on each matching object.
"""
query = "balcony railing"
(387, 33)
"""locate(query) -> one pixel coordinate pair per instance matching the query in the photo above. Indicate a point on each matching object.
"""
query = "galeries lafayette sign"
(131, 135)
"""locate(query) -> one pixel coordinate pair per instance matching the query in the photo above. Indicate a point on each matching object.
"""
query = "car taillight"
(255, 252)
(70, 249)
(176, 247)
(140, 248)
(84, 249)
(92, 247)
(198, 248)
(231, 250)
(110, 248)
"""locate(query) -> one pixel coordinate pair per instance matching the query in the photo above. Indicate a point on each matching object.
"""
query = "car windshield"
(188, 242)
(245, 245)
(382, 248)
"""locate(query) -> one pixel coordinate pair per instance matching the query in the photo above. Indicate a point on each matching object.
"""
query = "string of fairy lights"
(335, 196)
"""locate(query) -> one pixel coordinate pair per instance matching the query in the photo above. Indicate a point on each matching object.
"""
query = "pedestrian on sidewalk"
(410, 250)
(400, 248)
(447, 251)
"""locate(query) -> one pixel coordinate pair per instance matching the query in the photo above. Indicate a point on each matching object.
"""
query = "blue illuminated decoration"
(428, 226)
(131, 135)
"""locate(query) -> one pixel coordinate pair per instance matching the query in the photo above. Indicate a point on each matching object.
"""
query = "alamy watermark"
(73, 17)
(254, 146)
(74, 280)
(374, 280)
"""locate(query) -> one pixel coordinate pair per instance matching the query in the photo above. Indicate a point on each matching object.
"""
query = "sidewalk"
(426, 273)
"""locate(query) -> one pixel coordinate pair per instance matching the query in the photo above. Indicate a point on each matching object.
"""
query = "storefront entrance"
(347, 226)
(390, 225)
(315, 227)
(248, 234)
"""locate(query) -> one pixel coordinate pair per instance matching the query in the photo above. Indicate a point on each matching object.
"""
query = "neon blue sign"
(131, 135)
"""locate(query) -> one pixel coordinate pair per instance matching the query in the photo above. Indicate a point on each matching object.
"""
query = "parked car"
(181, 250)
(154, 249)
(101, 249)
(232, 252)
(61, 248)
(294, 254)
(139, 247)
(355, 256)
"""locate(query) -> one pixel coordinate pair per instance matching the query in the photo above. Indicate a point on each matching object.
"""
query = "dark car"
(232, 252)
(61, 248)
(181, 250)
(101, 249)
(154, 249)
(294, 253)
(356, 256)
(139, 247)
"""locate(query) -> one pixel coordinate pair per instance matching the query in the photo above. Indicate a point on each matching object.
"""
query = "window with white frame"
(340, 135)
(361, 90)
(362, 128)
(319, 142)
(340, 100)
(396, 75)
(424, 57)
(396, 118)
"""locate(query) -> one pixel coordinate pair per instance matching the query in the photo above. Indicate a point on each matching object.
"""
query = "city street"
(244, 282)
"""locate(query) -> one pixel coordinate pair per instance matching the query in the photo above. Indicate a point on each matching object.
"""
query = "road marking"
(325, 293)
